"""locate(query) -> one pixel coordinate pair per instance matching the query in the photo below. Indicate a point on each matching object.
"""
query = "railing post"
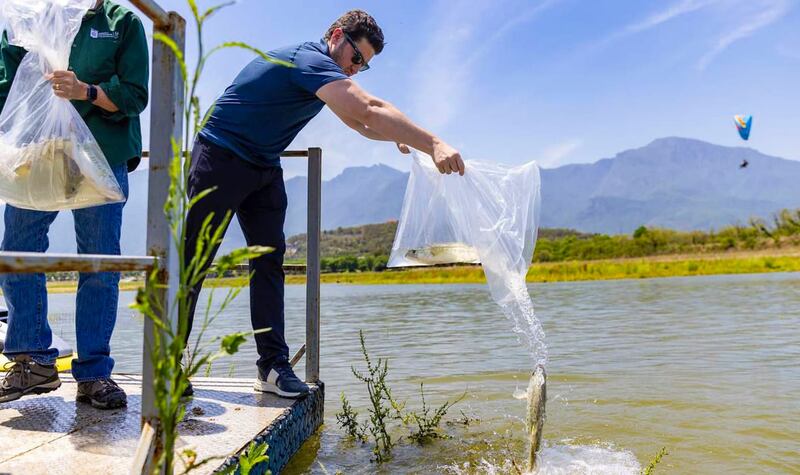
(153, 11)
(166, 122)
(313, 263)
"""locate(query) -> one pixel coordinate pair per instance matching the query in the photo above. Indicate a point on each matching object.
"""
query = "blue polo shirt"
(267, 105)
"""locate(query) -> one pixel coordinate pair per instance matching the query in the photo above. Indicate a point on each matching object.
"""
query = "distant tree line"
(782, 230)
(354, 264)
(341, 247)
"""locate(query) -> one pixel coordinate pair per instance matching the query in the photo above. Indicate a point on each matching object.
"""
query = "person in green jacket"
(107, 82)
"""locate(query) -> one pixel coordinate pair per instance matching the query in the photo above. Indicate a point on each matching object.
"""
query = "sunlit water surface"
(708, 367)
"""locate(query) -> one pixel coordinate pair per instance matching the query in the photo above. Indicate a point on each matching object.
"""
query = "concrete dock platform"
(51, 434)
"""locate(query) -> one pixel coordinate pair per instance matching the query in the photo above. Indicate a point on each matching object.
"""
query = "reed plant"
(385, 411)
(174, 359)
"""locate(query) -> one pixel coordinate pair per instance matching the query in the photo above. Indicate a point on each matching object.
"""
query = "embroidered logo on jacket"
(104, 35)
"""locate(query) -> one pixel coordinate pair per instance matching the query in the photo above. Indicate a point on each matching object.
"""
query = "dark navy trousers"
(258, 198)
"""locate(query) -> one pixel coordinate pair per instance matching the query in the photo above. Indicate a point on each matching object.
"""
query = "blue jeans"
(98, 232)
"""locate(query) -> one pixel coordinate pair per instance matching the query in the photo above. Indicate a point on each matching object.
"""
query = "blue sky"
(557, 81)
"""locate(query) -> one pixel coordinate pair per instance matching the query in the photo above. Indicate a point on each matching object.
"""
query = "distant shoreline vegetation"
(366, 248)
(631, 268)
(359, 255)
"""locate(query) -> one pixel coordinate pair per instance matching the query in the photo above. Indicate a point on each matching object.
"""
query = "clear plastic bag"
(489, 216)
(49, 159)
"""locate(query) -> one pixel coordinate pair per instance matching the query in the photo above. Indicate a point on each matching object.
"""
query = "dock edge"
(286, 434)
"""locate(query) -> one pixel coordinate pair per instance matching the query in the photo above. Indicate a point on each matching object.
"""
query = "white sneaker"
(282, 381)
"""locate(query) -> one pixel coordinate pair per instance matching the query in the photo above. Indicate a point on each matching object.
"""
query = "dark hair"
(359, 24)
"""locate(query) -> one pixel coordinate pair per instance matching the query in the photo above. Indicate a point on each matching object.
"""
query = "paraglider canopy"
(743, 123)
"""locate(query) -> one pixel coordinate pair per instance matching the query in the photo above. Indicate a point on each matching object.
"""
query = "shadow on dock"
(51, 434)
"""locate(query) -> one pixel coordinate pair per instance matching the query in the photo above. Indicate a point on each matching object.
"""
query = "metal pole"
(166, 122)
(313, 263)
(26, 262)
(154, 12)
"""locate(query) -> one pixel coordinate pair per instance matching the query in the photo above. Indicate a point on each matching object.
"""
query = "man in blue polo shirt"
(238, 153)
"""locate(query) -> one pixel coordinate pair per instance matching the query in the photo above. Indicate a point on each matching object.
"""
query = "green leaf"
(176, 51)
(197, 364)
(207, 115)
(195, 12)
(230, 343)
(229, 470)
(175, 196)
(232, 259)
(254, 455)
(215, 9)
(199, 197)
(219, 231)
(242, 45)
(196, 113)
(650, 469)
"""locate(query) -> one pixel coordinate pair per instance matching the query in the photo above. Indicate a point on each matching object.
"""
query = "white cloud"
(675, 10)
(456, 47)
(653, 20)
(515, 21)
(757, 14)
(770, 12)
(554, 155)
(439, 87)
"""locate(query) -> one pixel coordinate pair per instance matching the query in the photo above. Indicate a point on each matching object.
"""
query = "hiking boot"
(102, 394)
(281, 380)
(25, 376)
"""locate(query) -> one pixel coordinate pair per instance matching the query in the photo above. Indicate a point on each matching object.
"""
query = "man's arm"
(351, 103)
(127, 90)
(125, 94)
(371, 134)
(360, 128)
(66, 85)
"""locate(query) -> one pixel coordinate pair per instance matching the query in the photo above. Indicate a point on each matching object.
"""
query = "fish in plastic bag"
(491, 216)
(49, 159)
(444, 253)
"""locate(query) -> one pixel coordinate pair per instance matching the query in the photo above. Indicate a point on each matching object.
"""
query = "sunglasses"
(357, 58)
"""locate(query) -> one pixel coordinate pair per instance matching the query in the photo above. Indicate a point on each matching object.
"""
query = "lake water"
(708, 367)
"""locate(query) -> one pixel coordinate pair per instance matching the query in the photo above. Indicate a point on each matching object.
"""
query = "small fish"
(444, 253)
(537, 398)
(744, 164)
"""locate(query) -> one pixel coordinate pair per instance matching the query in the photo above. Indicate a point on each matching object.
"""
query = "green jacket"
(110, 52)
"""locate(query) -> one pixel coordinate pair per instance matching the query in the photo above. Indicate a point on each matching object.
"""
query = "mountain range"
(672, 182)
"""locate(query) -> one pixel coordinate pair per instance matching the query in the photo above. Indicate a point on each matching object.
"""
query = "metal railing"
(166, 121)
(312, 267)
(27, 262)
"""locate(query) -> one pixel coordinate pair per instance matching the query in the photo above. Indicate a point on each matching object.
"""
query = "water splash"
(517, 306)
(585, 460)
(561, 460)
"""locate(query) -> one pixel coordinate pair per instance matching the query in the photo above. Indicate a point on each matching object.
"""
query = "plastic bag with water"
(49, 159)
(488, 216)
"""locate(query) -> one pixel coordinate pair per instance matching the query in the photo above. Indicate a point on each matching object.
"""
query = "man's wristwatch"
(91, 93)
